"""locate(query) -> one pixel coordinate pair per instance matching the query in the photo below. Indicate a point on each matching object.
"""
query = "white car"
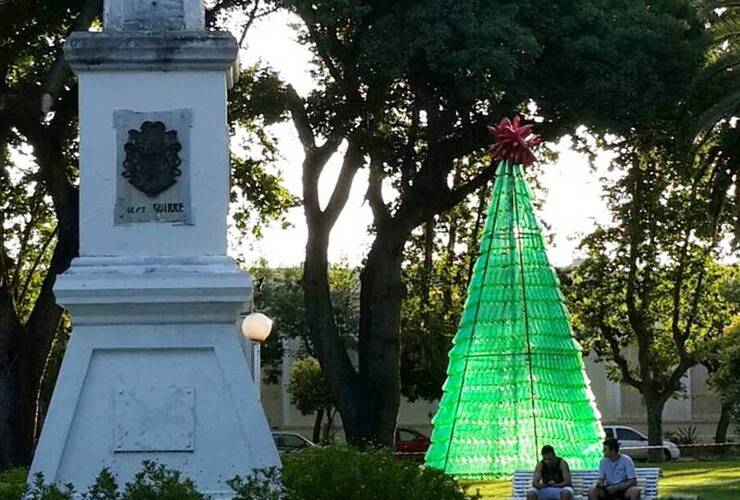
(290, 442)
(635, 443)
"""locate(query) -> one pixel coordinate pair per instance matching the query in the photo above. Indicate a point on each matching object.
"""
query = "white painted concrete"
(101, 93)
(229, 432)
(155, 369)
(125, 15)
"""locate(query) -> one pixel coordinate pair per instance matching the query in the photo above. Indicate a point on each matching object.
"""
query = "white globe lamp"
(256, 327)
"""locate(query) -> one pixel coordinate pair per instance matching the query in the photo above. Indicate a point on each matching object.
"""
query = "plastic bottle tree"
(516, 379)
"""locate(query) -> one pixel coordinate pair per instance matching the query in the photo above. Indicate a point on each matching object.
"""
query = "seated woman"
(551, 480)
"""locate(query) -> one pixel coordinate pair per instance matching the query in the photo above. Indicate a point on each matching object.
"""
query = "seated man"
(551, 480)
(617, 476)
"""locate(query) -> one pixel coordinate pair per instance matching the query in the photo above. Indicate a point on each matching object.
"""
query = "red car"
(411, 441)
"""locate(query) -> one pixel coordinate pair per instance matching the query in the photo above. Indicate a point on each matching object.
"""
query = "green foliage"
(153, 482)
(340, 472)
(408, 87)
(105, 487)
(725, 379)
(261, 485)
(307, 388)
(310, 393)
(684, 435)
(13, 484)
(29, 231)
(156, 482)
(257, 194)
(40, 490)
(623, 62)
(278, 294)
(330, 473)
(647, 298)
(717, 90)
(438, 264)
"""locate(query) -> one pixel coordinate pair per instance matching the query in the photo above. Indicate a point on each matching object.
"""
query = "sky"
(573, 203)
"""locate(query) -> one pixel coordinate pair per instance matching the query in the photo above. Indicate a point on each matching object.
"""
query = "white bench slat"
(647, 481)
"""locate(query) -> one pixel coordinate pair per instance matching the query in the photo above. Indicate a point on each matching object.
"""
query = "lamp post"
(256, 328)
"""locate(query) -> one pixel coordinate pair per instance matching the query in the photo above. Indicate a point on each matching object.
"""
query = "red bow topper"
(513, 142)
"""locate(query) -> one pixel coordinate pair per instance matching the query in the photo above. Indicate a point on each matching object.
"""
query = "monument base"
(155, 370)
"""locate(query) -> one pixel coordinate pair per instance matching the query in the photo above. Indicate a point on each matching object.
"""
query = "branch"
(678, 339)
(695, 302)
(408, 162)
(353, 160)
(474, 137)
(60, 72)
(374, 196)
(35, 105)
(446, 151)
(297, 108)
(253, 16)
(48, 150)
(313, 165)
(325, 55)
(23, 246)
(635, 316)
(21, 298)
(674, 380)
(458, 194)
(221, 6)
(610, 335)
(44, 318)
(716, 236)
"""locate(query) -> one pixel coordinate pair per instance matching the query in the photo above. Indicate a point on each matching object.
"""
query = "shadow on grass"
(717, 480)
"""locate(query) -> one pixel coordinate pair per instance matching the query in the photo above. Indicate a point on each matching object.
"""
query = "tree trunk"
(16, 389)
(720, 435)
(16, 404)
(474, 236)
(329, 426)
(450, 261)
(426, 275)
(336, 365)
(317, 425)
(24, 409)
(379, 343)
(655, 406)
(22, 363)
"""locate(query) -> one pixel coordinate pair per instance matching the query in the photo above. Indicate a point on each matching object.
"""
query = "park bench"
(647, 481)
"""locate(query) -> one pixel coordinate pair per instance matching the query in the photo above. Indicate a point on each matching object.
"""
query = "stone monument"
(155, 368)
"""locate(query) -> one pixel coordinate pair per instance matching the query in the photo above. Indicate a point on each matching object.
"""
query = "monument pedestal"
(155, 368)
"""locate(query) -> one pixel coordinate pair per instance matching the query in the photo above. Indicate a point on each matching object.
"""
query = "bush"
(331, 473)
(13, 484)
(343, 473)
(261, 485)
(156, 482)
(39, 490)
(684, 435)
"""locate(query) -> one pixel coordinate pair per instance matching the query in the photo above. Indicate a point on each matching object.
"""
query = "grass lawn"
(710, 480)
(716, 480)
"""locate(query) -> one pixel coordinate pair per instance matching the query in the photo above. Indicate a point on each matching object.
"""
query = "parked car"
(290, 442)
(411, 441)
(635, 443)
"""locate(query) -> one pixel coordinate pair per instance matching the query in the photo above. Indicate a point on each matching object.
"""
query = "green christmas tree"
(516, 379)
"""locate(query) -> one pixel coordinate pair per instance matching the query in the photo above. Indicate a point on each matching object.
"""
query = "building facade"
(619, 404)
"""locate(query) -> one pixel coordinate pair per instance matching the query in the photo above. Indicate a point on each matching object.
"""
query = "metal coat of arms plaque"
(152, 163)
(153, 156)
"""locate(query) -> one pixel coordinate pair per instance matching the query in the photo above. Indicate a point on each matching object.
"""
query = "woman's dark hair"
(611, 444)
